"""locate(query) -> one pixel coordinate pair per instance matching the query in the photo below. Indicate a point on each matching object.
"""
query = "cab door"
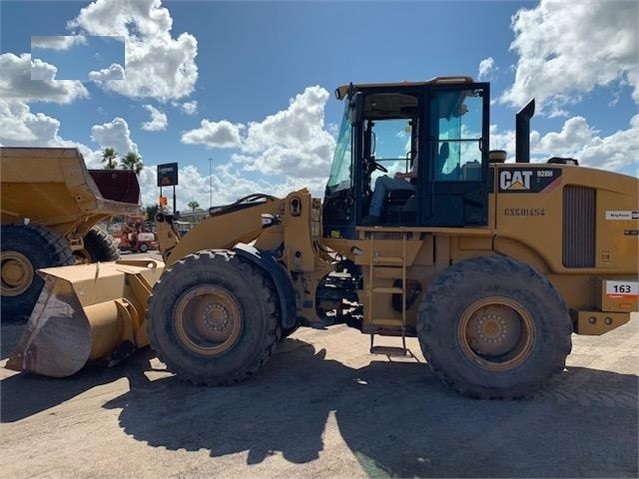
(454, 190)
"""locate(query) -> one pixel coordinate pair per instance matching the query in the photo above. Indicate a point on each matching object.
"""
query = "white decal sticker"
(622, 215)
(515, 180)
(622, 289)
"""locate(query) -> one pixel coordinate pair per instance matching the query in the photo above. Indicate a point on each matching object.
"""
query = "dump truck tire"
(213, 318)
(99, 246)
(494, 328)
(25, 249)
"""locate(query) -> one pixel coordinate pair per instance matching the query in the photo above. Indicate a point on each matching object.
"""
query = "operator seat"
(401, 205)
(399, 197)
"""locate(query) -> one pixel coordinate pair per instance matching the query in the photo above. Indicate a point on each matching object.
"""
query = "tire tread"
(265, 289)
(432, 304)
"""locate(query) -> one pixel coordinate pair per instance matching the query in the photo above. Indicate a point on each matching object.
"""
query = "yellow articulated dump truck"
(50, 205)
(423, 232)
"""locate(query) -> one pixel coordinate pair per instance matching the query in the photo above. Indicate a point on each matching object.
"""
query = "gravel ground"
(322, 407)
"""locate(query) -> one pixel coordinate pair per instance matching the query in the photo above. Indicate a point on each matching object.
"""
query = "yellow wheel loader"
(492, 265)
(50, 206)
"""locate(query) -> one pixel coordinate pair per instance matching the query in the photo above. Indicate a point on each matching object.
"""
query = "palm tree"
(194, 205)
(132, 161)
(110, 157)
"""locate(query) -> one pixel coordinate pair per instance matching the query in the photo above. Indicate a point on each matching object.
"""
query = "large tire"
(25, 249)
(213, 318)
(286, 332)
(493, 328)
(98, 246)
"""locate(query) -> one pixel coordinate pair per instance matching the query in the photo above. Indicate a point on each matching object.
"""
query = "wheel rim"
(17, 273)
(497, 333)
(82, 256)
(208, 320)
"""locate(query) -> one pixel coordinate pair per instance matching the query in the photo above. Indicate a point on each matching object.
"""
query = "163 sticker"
(622, 289)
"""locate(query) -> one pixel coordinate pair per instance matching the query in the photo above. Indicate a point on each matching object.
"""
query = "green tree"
(194, 205)
(132, 161)
(110, 158)
(152, 210)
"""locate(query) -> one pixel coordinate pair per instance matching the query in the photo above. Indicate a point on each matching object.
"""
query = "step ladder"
(396, 262)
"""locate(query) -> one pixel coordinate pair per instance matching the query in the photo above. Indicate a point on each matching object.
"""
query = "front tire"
(492, 327)
(213, 318)
(25, 249)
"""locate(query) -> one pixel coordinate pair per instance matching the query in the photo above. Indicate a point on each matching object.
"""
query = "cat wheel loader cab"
(491, 265)
(438, 129)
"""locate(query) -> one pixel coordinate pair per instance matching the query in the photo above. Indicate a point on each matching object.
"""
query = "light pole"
(210, 182)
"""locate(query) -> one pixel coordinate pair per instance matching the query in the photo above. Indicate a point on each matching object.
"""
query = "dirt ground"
(322, 407)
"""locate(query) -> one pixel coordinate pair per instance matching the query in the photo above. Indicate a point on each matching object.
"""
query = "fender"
(277, 273)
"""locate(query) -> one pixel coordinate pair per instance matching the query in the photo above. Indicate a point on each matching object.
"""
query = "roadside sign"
(168, 174)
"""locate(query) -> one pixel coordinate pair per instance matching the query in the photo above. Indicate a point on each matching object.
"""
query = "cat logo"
(515, 180)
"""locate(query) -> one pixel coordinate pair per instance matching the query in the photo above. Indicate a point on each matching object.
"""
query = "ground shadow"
(23, 395)
(398, 419)
(10, 334)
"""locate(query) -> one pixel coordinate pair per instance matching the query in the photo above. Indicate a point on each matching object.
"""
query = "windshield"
(340, 176)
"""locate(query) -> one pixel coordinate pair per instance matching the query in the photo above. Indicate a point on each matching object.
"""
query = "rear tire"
(492, 327)
(213, 318)
(98, 246)
(25, 249)
(143, 248)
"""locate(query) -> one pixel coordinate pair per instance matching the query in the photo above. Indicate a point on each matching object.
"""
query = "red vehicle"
(134, 238)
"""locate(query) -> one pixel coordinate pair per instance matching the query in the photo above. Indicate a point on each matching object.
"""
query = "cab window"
(456, 125)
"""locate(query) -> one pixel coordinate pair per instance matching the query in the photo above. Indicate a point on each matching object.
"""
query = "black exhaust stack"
(522, 132)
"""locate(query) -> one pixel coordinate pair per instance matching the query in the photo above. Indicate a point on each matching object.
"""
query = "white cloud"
(333, 129)
(189, 107)
(568, 48)
(158, 119)
(574, 133)
(115, 134)
(222, 134)
(616, 152)
(577, 139)
(59, 42)
(114, 72)
(486, 67)
(157, 65)
(42, 71)
(292, 142)
(16, 83)
(19, 126)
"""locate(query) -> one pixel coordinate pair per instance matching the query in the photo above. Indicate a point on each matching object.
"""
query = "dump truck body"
(50, 206)
(53, 187)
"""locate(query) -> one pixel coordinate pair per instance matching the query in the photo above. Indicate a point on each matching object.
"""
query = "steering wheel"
(379, 166)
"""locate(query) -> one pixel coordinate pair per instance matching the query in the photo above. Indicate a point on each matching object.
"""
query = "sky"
(240, 94)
